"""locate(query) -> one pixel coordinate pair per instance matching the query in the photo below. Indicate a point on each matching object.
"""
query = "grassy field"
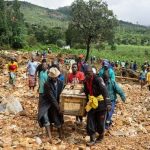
(123, 52)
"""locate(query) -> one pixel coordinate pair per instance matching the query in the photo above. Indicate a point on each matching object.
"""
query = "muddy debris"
(20, 130)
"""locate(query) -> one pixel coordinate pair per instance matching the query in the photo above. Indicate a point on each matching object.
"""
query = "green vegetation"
(93, 22)
(29, 27)
(12, 29)
(123, 52)
(42, 16)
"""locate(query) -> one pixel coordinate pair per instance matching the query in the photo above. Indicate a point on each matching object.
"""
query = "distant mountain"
(60, 17)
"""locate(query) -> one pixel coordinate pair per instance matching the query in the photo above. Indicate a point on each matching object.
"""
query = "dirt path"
(130, 130)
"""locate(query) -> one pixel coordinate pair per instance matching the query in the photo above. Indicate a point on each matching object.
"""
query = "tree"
(18, 26)
(3, 23)
(54, 34)
(94, 21)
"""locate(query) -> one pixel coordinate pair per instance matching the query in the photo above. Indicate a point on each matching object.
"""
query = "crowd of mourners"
(143, 71)
(100, 88)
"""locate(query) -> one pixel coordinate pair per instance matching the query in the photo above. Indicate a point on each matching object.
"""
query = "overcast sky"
(135, 11)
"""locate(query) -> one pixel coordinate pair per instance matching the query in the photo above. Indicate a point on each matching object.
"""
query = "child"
(12, 68)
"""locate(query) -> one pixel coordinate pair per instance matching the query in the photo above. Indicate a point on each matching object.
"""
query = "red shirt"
(78, 77)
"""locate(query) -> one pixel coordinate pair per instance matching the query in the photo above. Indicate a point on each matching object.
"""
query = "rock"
(38, 140)
(82, 147)
(131, 132)
(119, 122)
(15, 143)
(14, 106)
(24, 76)
(87, 138)
(88, 148)
(62, 147)
(141, 128)
(148, 128)
(117, 133)
(2, 107)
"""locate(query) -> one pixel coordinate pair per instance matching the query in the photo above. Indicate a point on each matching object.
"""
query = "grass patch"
(123, 52)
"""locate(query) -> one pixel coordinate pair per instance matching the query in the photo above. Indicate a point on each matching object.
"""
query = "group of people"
(100, 88)
(143, 71)
(101, 91)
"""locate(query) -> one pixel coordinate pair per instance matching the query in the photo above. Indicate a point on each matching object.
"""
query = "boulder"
(14, 106)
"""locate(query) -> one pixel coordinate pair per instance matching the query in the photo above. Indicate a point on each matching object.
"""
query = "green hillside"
(34, 14)
(126, 33)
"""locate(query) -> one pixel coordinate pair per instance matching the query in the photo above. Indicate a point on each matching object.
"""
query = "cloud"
(128, 10)
(131, 10)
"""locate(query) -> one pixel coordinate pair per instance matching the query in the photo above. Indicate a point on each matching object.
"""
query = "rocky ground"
(20, 131)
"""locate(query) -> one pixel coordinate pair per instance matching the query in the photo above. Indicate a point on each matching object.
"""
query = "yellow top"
(148, 77)
(12, 67)
(93, 102)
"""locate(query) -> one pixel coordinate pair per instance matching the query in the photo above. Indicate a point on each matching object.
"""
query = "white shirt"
(31, 66)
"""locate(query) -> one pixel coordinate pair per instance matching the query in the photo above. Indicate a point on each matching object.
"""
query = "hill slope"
(34, 14)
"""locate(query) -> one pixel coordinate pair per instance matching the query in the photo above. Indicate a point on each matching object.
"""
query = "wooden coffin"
(72, 101)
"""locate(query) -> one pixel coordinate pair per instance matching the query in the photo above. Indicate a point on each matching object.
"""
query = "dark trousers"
(149, 87)
(96, 122)
(111, 112)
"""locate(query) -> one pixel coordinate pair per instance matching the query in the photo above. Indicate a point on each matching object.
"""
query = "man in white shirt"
(31, 71)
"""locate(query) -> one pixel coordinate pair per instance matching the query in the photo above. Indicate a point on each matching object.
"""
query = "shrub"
(79, 46)
(17, 42)
(60, 43)
(31, 40)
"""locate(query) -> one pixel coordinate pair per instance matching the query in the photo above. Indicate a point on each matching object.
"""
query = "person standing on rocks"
(105, 68)
(113, 89)
(12, 69)
(76, 77)
(148, 78)
(97, 106)
(31, 72)
(142, 77)
(49, 110)
(40, 68)
(43, 76)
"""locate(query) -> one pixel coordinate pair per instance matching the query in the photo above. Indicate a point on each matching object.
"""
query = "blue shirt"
(42, 79)
(110, 71)
(114, 89)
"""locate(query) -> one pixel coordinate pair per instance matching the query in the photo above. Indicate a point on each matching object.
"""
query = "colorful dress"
(12, 68)
(31, 67)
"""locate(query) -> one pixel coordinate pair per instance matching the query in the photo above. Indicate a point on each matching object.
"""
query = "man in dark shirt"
(49, 110)
(95, 88)
(39, 67)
